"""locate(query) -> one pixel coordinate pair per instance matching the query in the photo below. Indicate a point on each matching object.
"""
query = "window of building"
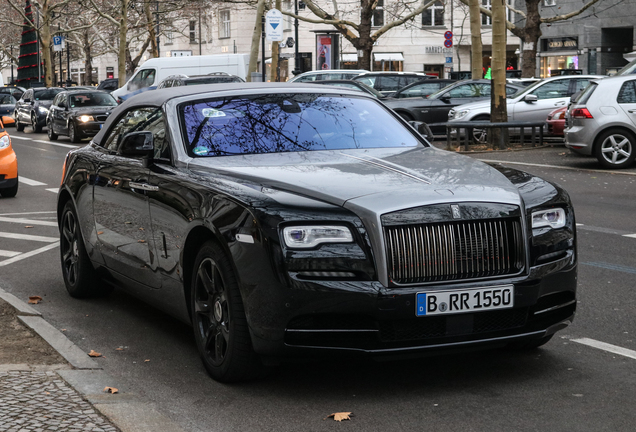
(287, 20)
(549, 2)
(224, 28)
(434, 15)
(487, 4)
(169, 37)
(377, 19)
(193, 31)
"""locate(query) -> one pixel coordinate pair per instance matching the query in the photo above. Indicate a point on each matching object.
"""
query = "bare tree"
(476, 55)
(498, 105)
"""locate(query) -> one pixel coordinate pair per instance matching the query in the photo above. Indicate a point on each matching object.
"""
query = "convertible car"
(291, 219)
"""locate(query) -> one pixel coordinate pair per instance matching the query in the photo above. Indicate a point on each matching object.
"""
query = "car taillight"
(581, 113)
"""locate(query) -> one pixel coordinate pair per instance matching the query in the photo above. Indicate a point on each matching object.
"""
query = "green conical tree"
(28, 59)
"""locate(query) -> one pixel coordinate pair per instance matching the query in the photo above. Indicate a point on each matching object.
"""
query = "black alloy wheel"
(480, 135)
(52, 135)
(34, 123)
(18, 126)
(72, 133)
(218, 318)
(78, 273)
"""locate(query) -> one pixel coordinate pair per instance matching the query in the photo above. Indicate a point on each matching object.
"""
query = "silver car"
(602, 121)
(532, 104)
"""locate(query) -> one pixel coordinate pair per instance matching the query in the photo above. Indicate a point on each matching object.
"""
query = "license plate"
(463, 301)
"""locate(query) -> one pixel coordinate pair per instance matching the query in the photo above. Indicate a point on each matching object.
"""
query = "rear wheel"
(18, 126)
(480, 135)
(52, 135)
(9, 192)
(615, 148)
(218, 318)
(34, 123)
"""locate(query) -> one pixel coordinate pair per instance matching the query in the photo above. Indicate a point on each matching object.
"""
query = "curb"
(126, 410)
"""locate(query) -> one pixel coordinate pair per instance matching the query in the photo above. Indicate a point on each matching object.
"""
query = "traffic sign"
(448, 43)
(58, 43)
(274, 25)
(448, 35)
(449, 59)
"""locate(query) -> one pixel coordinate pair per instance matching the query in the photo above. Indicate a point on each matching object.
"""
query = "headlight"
(461, 114)
(85, 118)
(553, 218)
(43, 110)
(308, 236)
(5, 141)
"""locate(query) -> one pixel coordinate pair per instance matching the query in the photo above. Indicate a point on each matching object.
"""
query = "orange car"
(8, 166)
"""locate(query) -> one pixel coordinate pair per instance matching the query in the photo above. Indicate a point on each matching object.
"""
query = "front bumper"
(8, 167)
(88, 129)
(368, 318)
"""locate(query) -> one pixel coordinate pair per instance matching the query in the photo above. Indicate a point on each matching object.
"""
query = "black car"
(79, 113)
(211, 78)
(109, 84)
(435, 107)
(423, 88)
(351, 85)
(14, 91)
(389, 82)
(33, 107)
(290, 219)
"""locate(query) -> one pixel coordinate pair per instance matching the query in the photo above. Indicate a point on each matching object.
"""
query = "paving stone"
(42, 402)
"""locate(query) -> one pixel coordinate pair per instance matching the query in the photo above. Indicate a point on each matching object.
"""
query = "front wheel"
(52, 135)
(480, 135)
(218, 318)
(615, 149)
(18, 126)
(34, 123)
(72, 133)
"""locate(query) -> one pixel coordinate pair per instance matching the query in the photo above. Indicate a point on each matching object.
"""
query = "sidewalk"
(48, 384)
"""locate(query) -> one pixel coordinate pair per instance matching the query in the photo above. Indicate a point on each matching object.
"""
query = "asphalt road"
(566, 385)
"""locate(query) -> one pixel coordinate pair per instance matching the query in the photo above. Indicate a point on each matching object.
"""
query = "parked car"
(556, 121)
(33, 107)
(109, 84)
(390, 82)
(279, 220)
(14, 91)
(211, 78)
(531, 105)
(7, 108)
(601, 122)
(523, 82)
(325, 75)
(351, 85)
(79, 114)
(435, 108)
(8, 166)
(423, 88)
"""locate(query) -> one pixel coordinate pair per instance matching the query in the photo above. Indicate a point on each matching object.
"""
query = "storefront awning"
(559, 53)
(350, 57)
(388, 57)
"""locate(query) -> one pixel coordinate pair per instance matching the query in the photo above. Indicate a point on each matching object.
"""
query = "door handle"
(559, 103)
(143, 186)
(632, 111)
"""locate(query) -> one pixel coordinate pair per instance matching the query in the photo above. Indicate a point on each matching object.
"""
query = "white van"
(151, 72)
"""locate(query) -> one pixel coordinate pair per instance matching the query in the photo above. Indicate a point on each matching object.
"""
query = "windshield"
(629, 69)
(7, 99)
(46, 94)
(288, 123)
(80, 100)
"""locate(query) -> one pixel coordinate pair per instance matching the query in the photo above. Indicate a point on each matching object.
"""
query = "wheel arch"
(619, 126)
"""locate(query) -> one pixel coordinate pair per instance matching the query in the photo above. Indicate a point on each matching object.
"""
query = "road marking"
(9, 254)
(27, 213)
(28, 237)
(54, 190)
(22, 138)
(629, 235)
(559, 167)
(30, 182)
(57, 144)
(606, 347)
(29, 254)
(609, 266)
(28, 221)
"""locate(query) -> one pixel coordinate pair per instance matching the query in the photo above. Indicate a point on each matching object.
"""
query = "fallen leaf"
(111, 390)
(94, 354)
(141, 241)
(147, 360)
(340, 416)
(28, 226)
(141, 228)
(127, 223)
(62, 329)
(119, 349)
(100, 232)
(35, 299)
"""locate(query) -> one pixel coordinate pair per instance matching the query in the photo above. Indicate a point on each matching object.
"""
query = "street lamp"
(296, 53)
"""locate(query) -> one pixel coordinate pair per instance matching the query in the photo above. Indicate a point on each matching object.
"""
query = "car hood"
(483, 105)
(93, 110)
(376, 180)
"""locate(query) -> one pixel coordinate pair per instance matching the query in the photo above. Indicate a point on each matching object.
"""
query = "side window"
(483, 90)
(369, 80)
(580, 84)
(627, 93)
(28, 95)
(553, 89)
(144, 78)
(463, 91)
(420, 90)
(388, 83)
(135, 120)
(511, 90)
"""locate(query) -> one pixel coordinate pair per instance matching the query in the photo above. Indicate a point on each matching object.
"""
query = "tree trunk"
(123, 30)
(152, 30)
(530, 36)
(88, 64)
(45, 44)
(256, 37)
(364, 43)
(498, 106)
(275, 70)
(476, 56)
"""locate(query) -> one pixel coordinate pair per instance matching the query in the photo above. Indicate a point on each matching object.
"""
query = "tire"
(530, 344)
(34, 124)
(18, 126)
(79, 275)
(52, 135)
(479, 135)
(72, 133)
(406, 116)
(615, 148)
(9, 192)
(218, 318)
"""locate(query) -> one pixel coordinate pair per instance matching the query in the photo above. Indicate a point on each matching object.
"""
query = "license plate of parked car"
(462, 301)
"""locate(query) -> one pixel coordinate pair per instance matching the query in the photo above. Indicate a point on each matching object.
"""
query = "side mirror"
(445, 98)
(137, 144)
(423, 129)
(530, 98)
(27, 100)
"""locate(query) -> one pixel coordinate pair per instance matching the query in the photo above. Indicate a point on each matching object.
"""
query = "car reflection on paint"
(291, 219)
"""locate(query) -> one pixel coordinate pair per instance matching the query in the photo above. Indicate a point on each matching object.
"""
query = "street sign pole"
(263, 47)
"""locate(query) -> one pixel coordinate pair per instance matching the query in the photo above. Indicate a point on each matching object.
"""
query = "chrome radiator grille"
(454, 250)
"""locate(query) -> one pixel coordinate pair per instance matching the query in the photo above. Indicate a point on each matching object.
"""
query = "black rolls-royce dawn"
(284, 220)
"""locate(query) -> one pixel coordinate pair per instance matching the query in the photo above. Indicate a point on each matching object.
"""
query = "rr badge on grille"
(456, 213)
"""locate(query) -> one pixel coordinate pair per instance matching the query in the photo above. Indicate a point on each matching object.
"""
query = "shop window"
(434, 15)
